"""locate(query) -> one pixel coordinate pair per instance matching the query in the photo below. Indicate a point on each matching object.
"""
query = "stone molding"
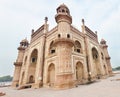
(18, 63)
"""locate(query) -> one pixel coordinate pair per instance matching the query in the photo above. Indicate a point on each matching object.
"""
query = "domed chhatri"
(102, 41)
(23, 44)
(63, 9)
(63, 14)
(62, 57)
(24, 41)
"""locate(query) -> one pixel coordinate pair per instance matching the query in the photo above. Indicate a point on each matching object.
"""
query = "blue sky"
(18, 17)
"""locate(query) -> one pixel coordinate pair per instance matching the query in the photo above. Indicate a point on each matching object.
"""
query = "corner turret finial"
(83, 22)
(103, 41)
(46, 19)
(32, 31)
(95, 32)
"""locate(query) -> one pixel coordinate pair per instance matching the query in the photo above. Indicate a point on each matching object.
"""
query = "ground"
(109, 87)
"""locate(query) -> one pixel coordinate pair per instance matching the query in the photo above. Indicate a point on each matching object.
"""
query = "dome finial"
(96, 32)
(32, 31)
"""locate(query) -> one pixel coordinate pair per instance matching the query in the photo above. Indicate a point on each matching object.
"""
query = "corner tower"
(18, 64)
(64, 44)
(107, 57)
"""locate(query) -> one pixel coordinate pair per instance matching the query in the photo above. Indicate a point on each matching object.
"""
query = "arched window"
(51, 74)
(79, 71)
(34, 60)
(59, 35)
(96, 63)
(52, 48)
(78, 47)
(68, 35)
(94, 53)
(34, 56)
(31, 79)
(66, 11)
(63, 10)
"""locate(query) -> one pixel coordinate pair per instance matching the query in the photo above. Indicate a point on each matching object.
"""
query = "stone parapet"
(63, 17)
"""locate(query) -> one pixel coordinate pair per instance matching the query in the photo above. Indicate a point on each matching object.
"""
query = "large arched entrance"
(95, 56)
(32, 66)
(79, 72)
(51, 74)
(52, 48)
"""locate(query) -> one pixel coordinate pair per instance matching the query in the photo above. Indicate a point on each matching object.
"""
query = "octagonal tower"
(64, 44)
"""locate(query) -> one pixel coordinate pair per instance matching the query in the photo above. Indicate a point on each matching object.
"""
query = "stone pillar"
(41, 58)
(40, 65)
(87, 52)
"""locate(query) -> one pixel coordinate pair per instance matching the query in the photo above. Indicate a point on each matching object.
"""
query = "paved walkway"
(109, 87)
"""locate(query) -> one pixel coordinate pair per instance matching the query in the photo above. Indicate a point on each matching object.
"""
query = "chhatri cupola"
(63, 14)
(23, 44)
(103, 42)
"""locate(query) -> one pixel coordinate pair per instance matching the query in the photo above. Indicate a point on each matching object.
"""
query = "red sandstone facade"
(62, 57)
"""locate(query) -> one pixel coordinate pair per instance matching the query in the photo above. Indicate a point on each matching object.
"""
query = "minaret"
(18, 64)
(107, 57)
(64, 45)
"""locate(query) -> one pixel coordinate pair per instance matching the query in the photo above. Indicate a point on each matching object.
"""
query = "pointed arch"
(79, 71)
(68, 35)
(51, 48)
(51, 74)
(32, 66)
(96, 62)
(31, 79)
(34, 55)
(94, 53)
(78, 47)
